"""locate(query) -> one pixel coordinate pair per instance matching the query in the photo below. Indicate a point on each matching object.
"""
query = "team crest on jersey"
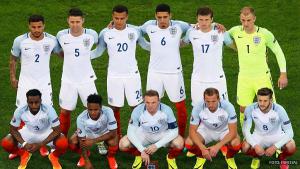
(161, 121)
(256, 40)
(86, 42)
(221, 118)
(173, 30)
(214, 38)
(131, 36)
(272, 120)
(46, 48)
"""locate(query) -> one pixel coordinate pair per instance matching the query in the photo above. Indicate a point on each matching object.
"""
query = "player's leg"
(112, 150)
(233, 148)
(155, 82)
(245, 94)
(126, 146)
(197, 90)
(75, 147)
(287, 150)
(175, 149)
(115, 95)
(222, 87)
(251, 151)
(67, 101)
(61, 145)
(265, 81)
(175, 89)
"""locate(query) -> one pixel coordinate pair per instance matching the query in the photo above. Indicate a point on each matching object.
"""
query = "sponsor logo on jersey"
(86, 42)
(152, 31)
(46, 48)
(214, 38)
(13, 120)
(192, 118)
(78, 131)
(173, 30)
(27, 48)
(131, 36)
(256, 40)
(143, 122)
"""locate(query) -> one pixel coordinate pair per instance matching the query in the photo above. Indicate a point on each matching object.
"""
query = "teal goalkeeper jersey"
(252, 50)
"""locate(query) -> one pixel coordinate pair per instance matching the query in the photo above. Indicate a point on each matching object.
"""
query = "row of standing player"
(164, 68)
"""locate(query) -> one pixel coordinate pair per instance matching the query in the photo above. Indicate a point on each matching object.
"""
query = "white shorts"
(266, 141)
(172, 83)
(198, 87)
(130, 86)
(46, 94)
(35, 137)
(148, 138)
(69, 93)
(211, 135)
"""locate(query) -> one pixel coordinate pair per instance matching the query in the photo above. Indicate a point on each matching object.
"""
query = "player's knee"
(291, 147)
(236, 142)
(178, 142)
(61, 143)
(7, 144)
(124, 143)
(188, 141)
(245, 147)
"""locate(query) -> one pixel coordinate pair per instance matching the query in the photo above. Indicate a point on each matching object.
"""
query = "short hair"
(265, 92)
(94, 98)
(210, 92)
(151, 93)
(120, 9)
(36, 18)
(163, 8)
(247, 10)
(75, 12)
(33, 92)
(204, 11)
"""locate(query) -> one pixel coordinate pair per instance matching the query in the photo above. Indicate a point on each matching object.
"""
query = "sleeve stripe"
(172, 125)
(286, 122)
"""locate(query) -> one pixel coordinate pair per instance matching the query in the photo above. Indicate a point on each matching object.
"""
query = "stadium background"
(280, 17)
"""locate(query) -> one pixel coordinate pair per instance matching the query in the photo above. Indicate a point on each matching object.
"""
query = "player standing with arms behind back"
(78, 75)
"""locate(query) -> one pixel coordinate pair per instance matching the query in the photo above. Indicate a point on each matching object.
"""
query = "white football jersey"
(77, 67)
(87, 127)
(266, 123)
(165, 55)
(35, 58)
(121, 47)
(161, 121)
(45, 119)
(218, 120)
(207, 49)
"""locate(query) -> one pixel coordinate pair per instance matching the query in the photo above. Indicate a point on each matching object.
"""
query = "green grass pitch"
(281, 17)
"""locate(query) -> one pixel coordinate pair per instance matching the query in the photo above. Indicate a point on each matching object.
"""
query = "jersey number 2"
(37, 56)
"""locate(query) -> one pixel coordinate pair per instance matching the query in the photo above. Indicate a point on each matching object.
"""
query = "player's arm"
(16, 134)
(186, 40)
(247, 126)
(12, 71)
(194, 124)
(142, 41)
(101, 46)
(286, 127)
(228, 41)
(273, 44)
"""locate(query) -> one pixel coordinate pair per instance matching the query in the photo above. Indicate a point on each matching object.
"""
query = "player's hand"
(110, 25)
(213, 150)
(282, 81)
(145, 157)
(34, 147)
(88, 165)
(220, 27)
(14, 83)
(87, 143)
(259, 150)
(206, 154)
(271, 150)
(151, 149)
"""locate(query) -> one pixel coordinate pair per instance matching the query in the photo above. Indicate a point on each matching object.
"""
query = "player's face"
(75, 23)
(264, 103)
(248, 22)
(36, 29)
(212, 102)
(152, 103)
(120, 20)
(204, 22)
(163, 19)
(94, 110)
(34, 104)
